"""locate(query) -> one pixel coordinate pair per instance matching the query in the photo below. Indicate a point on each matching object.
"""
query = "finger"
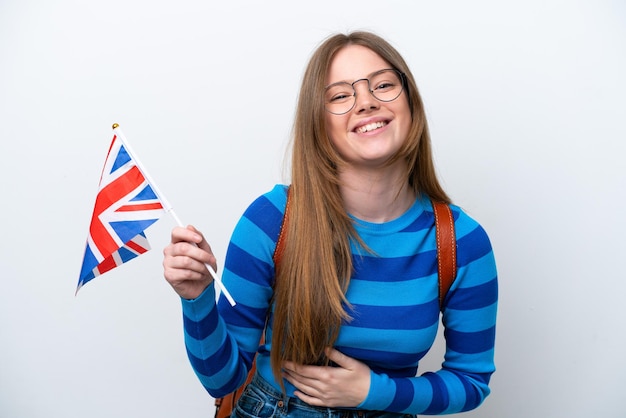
(188, 234)
(289, 365)
(203, 243)
(302, 371)
(185, 261)
(339, 358)
(305, 390)
(311, 400)
(190, 258)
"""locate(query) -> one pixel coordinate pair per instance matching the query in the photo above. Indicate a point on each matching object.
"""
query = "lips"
(370, 127)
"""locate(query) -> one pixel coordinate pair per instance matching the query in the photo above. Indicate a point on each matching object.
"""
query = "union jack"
(125, 206)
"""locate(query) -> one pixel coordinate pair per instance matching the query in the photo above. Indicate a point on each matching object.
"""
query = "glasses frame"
(400, 74)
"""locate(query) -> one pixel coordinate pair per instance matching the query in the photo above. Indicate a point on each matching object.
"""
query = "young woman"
(352, 306)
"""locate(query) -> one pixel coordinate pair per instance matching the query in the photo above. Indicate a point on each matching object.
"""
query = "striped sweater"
(395, 311)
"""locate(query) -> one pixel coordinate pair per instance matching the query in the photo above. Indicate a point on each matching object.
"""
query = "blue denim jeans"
(260, 399)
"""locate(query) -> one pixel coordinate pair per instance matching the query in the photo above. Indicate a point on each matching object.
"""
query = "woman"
(353, 303)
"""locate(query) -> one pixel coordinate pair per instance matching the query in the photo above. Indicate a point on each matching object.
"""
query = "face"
(372, 131)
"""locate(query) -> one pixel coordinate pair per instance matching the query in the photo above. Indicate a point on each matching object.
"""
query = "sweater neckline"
(394, 225)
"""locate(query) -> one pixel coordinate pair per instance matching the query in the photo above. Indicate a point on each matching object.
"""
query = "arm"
(221, 340)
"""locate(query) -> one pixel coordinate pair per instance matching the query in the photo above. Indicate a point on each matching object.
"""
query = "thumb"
(200, 240)
(202, 243)
(195, 230)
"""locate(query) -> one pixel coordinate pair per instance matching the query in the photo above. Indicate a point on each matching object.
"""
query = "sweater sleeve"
(469, 318)
(221, 340)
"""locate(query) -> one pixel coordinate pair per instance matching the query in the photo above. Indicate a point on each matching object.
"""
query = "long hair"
(316, 266)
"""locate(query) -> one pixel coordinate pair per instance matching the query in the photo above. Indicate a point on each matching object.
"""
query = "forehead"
(354, 62)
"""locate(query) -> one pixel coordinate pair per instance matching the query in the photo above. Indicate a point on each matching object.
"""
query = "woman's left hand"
(346, 385)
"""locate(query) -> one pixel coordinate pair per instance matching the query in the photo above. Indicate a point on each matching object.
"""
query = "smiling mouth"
(370, 127)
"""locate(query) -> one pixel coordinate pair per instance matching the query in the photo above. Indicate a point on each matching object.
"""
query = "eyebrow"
(362, 78)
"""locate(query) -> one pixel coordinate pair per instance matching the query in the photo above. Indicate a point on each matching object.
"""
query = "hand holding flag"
(127, 203)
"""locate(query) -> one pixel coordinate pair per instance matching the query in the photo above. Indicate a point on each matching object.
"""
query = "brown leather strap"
(446, 248)
(280, 243)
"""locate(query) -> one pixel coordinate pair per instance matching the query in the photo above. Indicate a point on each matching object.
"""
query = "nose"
(364, 99)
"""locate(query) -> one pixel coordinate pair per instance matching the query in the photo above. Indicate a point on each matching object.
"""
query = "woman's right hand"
(184, 262)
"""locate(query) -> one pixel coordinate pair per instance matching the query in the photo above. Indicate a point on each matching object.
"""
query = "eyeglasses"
(384, 85)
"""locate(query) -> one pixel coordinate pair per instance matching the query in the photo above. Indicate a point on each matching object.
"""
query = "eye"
(384, 85)
(385, 80)
(339, 92)
(339, 97)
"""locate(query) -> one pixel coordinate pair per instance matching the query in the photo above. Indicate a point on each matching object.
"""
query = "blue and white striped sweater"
(394, 312)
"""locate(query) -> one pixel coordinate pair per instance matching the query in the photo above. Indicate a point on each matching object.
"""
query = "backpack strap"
(446, 248)
(280, 243)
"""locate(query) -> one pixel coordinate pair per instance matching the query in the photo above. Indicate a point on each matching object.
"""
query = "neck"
(376, 196)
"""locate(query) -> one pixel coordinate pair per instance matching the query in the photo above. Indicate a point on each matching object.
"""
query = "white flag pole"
(168, 208)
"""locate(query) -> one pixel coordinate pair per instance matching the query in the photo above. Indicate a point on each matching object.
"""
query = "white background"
(526, 103)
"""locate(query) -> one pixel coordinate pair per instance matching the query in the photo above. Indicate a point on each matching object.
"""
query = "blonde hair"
(316, 266)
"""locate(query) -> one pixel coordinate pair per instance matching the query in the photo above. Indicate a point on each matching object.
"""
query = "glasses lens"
(339, 98)
(386, 85)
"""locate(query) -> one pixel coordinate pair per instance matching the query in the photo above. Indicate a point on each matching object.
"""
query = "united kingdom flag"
(125, 206)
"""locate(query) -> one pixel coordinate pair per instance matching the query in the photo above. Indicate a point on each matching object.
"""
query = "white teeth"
(370, 127)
